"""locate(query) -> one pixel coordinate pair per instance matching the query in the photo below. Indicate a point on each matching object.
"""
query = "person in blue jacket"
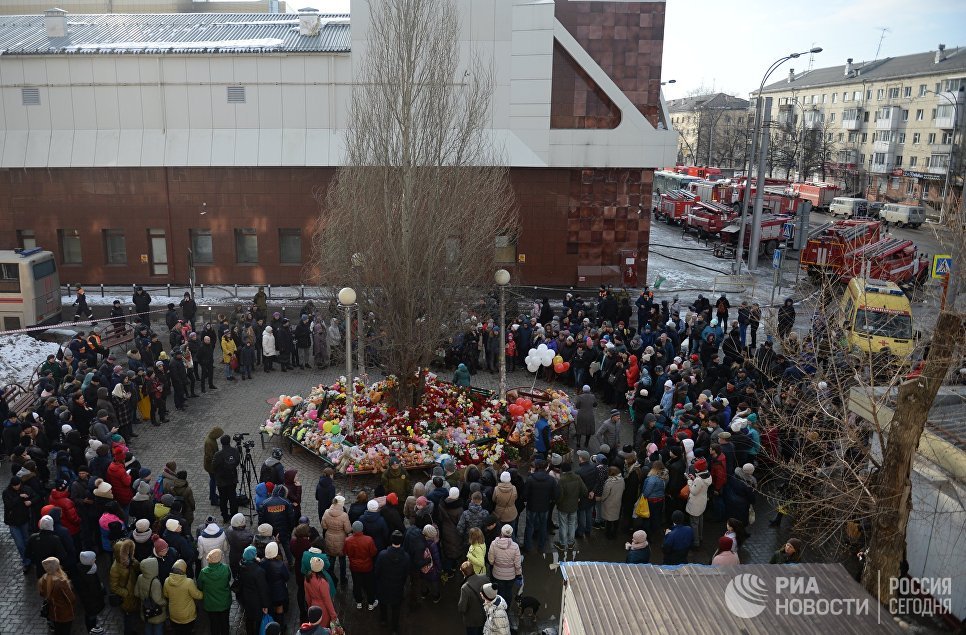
(677, 540)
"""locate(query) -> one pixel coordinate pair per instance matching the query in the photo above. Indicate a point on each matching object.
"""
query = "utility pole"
(759, 188)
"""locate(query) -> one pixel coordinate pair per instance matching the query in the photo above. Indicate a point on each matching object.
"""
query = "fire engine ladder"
(853, 232)
(882, 249)
(818, 231)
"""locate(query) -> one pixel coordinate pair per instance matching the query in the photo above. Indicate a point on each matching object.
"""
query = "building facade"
(890, 129)
(713, 130)
(215, 132)
(33, 7)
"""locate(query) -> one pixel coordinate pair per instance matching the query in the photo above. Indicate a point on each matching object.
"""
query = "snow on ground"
(19, 357)
(215, 296)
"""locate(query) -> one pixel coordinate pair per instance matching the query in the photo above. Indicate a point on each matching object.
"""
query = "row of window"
(897, 137)
(695, 118)
(892, 92)
(114, 244)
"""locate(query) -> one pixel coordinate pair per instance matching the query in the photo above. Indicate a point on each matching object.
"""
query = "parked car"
(904, 215)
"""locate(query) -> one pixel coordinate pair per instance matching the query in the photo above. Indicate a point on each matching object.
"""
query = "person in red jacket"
(719, 476)
(119, 479)
(69, 518)
(361, 551)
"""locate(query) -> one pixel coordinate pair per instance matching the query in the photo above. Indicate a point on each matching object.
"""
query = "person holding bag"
(60, 601)
(228, 350)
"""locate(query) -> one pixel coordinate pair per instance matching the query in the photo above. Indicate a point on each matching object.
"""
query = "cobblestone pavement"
(240, 407)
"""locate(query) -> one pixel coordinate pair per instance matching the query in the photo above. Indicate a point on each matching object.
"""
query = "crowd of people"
(688, 377)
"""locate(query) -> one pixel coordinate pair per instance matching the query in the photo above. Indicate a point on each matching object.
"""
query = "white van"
(903, 215)
(848, 207)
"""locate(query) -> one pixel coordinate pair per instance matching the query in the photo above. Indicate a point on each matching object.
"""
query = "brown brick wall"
(568, 218)
(576, 101)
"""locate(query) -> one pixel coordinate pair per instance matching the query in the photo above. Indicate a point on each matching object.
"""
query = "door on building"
(158, 247)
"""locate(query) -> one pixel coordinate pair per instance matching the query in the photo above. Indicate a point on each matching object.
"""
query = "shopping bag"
(266, 620)
(751, 516)
(144, 407)
(642, 509)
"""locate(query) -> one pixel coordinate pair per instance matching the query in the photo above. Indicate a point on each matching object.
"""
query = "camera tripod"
(249, 475)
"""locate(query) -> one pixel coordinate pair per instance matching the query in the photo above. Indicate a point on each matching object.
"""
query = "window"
(931, 138)
(831, 117)
(202, 248)
(868, 95)
(919, 114)
(26, 239)
(857, 95)
(290, 246)
(158, 246)
(880, 93)
(913, 161)
(898, 161)
(910, 185)
(741, 120)
(506, 249)
(875, 136)
(828, 136)
(865, 137)
(905, 115)
(834, 97)
(952, 85)
(915, 137)
(865, 116)
(902, 137)
(246, 246)
(30, 96)
(907, 91)
(70, 246)
(824, 98)
(9, 278)
(925, 162)
(846, 96)
(861, 158)
(853, 137)
(115, 249)
(841, 137)
(933, 118)
(923, 90)
(947, 138)
(939, 161)
(947, 111)
(894, 93)
(236, 94)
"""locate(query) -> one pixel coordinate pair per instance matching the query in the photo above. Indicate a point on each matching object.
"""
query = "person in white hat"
(495, 607)
(215, 582)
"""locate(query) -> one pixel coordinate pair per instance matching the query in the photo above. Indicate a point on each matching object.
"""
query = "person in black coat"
(45, 544)
(90, 589)
(374, 525)
(786, 318)
(188, 309)
(392, 569)
(252, 594)
(142, 304)
(325, 491)
(179, 380)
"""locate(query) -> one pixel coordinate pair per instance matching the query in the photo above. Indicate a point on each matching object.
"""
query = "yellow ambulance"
(876, 315)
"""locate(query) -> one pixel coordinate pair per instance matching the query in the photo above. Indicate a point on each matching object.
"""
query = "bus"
(666, 181)
(29, 288)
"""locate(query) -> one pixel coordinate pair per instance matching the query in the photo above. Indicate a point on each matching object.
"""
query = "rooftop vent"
(310, 22)
(941, 53)
(56, 22)
(848, 67)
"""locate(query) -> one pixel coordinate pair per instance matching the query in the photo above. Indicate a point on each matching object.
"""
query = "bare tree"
(412, 219)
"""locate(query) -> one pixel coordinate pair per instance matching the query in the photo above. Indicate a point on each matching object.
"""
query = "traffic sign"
(942, 265)
(776, 259)
(788, 230)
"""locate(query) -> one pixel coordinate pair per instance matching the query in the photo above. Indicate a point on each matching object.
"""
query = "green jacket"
(572, 491)
(215, 582)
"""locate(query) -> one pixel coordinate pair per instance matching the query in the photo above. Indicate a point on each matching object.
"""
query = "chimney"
(848, 67)
(791, 75)
(941, 53)
(310, 22)
(56, 22)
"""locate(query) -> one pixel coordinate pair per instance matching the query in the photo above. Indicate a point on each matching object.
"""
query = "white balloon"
(546, 361)
(532, 352)
(542, 348)
(533, 367)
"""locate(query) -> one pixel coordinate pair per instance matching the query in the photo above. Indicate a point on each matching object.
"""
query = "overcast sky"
(728, 46)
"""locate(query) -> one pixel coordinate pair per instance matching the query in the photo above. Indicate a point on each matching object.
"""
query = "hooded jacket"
(470, 604)
(124, 575)
(211, 537)
(336, 525)
(211, 446)
(147, 585)
(698, 496)
(253, 591)
(497, 621)
(505, 502)
(361, 551)
(273, 471)
(238, 538)
(572, 491)
(179, 488)
(181, 593)
(268, 343)
(56, 589)
(374, 526)
(120, 482)
(504, 555)
(215, 581)
(69, 516)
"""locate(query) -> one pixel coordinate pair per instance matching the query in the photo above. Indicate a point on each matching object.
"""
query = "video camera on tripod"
(240, 441)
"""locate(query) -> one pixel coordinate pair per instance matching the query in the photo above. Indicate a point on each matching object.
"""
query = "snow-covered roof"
(178, 33)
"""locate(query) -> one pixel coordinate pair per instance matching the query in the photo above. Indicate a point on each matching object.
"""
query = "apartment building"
(890, 128)
(34, 7)
(713, 129)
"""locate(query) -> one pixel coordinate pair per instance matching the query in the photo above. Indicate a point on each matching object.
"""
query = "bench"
(18, 399)
(112, 337)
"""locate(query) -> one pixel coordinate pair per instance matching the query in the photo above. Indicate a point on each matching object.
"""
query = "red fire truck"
(891, 259)
(820, 195)
(828, 245)
(708, 218)
(701, 171)
(769, 237)
(675, 206)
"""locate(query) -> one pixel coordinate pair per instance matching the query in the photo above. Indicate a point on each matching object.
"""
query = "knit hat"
(454, 494)
(422, 502)
(265, 530)
(249, 554)
(505, 477)
(103, 490)
(748, 469)
(87, 558)
(604, 448)
(555, 459)
(357, 527)
(167, 500)
(430, 532)
(701, 465)
(316, 565)
(753, 418)
(172, 525)
(392, 499)
(725, 436)
(725, 543)
(339, 500)
(396, 538)
(180, 566)
(214, 556)
(303, 520)
(238, 520)
(160, 547)
(489, 591)
(506, 530)
(271, 550)
(314, 614)
(142, 525)
(64, 429)
(46, 523)
(270, 487)
(638, 540)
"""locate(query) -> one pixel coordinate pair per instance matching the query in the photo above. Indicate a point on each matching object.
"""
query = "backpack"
(158, 490)
(427, 554)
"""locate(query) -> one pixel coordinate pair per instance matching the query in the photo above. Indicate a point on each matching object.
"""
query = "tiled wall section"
(568, 218)
(577, 102)
(627, 40)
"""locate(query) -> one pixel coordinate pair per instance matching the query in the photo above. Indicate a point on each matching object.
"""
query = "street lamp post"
(502, 278)
(347, 299)
(746, 195)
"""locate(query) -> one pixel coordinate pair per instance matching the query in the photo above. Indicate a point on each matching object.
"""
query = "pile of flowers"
(469, 426)
(554, 405)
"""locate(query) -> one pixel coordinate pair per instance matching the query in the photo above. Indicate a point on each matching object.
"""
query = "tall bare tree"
(412, 219)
